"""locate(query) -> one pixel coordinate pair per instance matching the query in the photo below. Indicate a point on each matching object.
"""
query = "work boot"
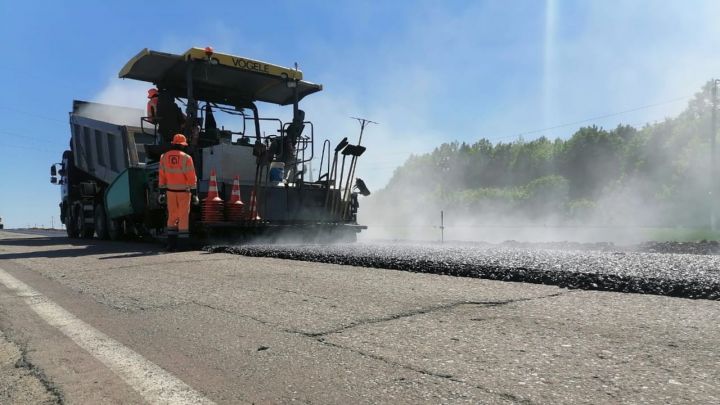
(172, 243)
(183, 242)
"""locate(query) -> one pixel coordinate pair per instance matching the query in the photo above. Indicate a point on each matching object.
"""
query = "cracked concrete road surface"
(96, 322)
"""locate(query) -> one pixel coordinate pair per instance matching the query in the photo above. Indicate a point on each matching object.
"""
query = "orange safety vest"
(177, 171)
(152, 109)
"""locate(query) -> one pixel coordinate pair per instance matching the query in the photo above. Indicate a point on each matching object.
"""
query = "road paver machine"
(109, 176)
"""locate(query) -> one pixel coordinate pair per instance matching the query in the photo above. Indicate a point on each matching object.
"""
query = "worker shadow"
(135, 254)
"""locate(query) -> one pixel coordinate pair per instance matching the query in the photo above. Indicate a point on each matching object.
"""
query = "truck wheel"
(79, 220)
(84, 230)
(115, 229)
(101, 228)
(70, 226)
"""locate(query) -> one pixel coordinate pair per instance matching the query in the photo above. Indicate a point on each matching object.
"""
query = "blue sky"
(428, 71)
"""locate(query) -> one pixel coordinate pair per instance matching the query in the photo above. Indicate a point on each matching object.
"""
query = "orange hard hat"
(152, 92)
(179, 139)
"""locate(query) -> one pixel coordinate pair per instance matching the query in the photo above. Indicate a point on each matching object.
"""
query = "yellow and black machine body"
(109, 175)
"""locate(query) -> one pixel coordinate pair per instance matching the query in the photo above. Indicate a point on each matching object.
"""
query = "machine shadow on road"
(43, 241)
(75, 248)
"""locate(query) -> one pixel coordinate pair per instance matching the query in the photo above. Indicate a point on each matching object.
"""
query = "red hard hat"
(179, 139)
(152, 92)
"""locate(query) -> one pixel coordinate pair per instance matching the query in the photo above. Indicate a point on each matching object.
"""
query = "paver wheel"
(115, 228)
(101, 226)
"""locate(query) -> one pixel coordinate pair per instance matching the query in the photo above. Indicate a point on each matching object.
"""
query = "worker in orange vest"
(178, 180)
(152, 105)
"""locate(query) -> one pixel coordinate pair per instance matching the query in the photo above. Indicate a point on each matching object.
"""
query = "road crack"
(37, 372)
(165, 263)
(319, 337)
(56, 394)
(505, 395)
(261, 321)
(422, 311)
(300, 293)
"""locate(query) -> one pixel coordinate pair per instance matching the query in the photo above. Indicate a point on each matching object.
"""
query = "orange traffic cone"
(253, 207)
(234, 210)
(212, 207)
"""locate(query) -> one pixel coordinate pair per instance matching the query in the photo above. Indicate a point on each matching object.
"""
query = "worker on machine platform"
(163, 112)
(152, 105)
(178, 180)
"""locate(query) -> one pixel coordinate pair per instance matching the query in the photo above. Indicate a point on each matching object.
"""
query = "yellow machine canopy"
(218, 78)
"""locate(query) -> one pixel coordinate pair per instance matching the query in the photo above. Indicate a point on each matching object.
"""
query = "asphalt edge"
(564, 279)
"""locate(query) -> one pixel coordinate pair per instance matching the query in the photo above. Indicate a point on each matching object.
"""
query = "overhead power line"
(644, 107)
(5, 145)
(32, 114)
(15, 134)
(674, 100)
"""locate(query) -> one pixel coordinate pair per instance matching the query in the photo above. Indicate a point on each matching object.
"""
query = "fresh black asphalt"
(636, 269)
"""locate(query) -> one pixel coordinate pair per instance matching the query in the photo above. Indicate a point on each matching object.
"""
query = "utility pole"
(363, 122)
(713, 159)
(442, 227)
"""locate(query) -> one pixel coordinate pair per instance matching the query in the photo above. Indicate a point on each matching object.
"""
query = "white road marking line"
(155, 384)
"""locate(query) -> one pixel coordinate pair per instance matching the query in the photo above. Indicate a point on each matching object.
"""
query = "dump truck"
(109, 175)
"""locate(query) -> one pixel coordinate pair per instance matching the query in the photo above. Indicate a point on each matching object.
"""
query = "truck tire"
(101, 226)
(84, 229)
(70, 224)
(115, 229)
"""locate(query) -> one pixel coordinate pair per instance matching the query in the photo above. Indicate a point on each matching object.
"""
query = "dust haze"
(116, 115)
(623, 184)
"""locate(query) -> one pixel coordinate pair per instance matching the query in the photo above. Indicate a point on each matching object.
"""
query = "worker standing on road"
(177, 178)
(152, 105)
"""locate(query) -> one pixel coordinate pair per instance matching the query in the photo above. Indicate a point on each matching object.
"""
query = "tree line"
(656, 175)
